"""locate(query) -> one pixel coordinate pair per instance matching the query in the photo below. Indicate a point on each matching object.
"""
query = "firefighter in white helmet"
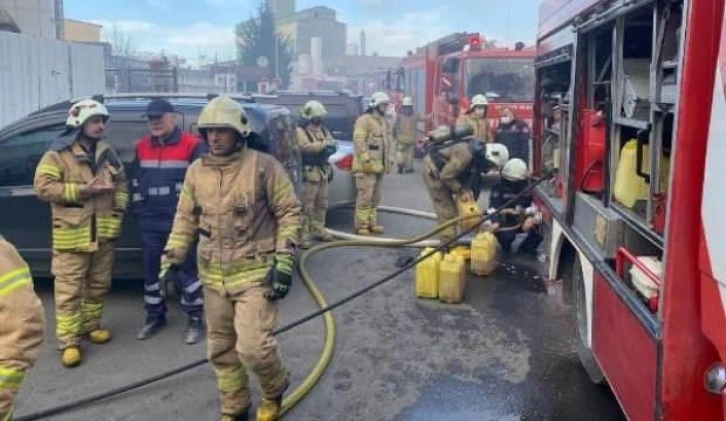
(476, 117)
(515, 177)
(316, 146)
(453, 173)
(371, 161)
(243, 207)
(405, 135)
(21, 330)
(83, 179)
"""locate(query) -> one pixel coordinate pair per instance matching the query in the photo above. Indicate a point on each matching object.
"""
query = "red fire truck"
(464, 64)
(630, 112)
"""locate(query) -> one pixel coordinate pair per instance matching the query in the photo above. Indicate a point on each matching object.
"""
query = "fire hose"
(324, 309)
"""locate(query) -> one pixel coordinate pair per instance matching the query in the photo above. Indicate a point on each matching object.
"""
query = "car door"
(24, 219)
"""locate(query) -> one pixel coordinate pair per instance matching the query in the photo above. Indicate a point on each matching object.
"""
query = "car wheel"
(579, 308)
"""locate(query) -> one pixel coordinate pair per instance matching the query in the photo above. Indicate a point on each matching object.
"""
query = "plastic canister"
(484, 253)
(427, 275)
(646, 286)
(468, 208)
(629, 187)
(452, 279)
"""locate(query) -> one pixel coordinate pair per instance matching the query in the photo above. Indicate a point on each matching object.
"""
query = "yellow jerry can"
(462, 251)
(468, 208)
(452, 279)
(427, 275)
(484, 253)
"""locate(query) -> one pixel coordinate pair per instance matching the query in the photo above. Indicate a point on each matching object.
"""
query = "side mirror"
(450, 65)
(452, 98)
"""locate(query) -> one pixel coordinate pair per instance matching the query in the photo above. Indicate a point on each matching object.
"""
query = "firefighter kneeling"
(243, 206)
(452, 171)
(526, 239)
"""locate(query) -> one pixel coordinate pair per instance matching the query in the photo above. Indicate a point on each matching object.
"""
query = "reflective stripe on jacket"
(244, 209)
(80, 222)
(158, 172)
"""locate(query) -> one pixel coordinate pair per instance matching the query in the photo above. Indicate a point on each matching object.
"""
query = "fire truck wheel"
(579, 309)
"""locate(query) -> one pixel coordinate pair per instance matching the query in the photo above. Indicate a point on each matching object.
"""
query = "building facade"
(79, 31)
(38, 18)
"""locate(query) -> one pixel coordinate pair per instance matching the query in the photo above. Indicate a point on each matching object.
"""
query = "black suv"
(25, 220)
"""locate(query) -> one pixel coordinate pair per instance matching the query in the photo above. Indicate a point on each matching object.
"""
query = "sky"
(191, 28)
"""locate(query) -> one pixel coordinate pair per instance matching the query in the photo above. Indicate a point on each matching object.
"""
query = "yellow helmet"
(224, 112)
(313, 109)
(81, 111)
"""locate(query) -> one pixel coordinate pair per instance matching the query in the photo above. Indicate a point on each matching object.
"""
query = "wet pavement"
(506, 353)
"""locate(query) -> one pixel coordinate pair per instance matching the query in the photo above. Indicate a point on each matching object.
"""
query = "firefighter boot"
(269, 409)
(305, 244)
(71, 356)
(195, 331)
(150, 328)
(99, 336)
(242, 416)
(377, 229)
(326, 237)
(363, 231)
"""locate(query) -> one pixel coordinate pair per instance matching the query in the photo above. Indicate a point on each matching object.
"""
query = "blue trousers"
(154, 236)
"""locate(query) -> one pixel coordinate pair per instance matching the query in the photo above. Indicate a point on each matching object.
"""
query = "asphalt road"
(505, 354)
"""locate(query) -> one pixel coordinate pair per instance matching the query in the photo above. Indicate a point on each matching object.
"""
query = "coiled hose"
(326, 355)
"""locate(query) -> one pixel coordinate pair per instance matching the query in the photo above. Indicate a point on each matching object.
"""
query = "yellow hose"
(329, 345)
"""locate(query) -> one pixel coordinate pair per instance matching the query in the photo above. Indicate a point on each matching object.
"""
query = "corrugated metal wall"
(36, 72)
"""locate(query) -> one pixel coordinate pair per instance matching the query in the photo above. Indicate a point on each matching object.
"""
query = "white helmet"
(224, 112)
(497, 154)
(515, 170)
(478, 100)
(81, 111)
(313, 109)
(378, 98)
(407, 102)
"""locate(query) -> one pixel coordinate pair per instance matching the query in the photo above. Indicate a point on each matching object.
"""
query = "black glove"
(279, 278)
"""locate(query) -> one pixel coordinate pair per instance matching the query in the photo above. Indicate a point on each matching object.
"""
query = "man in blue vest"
(162, 158)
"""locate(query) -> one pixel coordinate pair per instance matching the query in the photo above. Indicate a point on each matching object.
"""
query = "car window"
(124, 129)
(20, 154)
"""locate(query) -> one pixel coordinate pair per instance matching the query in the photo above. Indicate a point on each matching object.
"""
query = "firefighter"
(371, 143)
(526, 239)
(476, 117)
(162, 158)
(243, 205)
(21, 330)
(453, 172)
(84, 181)
(404, 134)
(514, 134)
(316, 145)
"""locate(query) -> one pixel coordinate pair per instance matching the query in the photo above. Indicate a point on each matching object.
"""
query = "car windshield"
(501, 79)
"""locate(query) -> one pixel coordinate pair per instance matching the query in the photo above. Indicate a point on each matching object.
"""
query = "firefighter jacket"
(158, 173)
(405, 130)
(482, 130)
(453, 165)
(371, 144)
(244, 208)
(312, 141)
(505, 191)
(80, 222)
(21, 331)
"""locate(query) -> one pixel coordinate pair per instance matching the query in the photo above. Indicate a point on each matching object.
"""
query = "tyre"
(579, 309)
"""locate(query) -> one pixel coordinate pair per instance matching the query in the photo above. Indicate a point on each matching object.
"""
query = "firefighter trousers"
(404, 155)
(368, 187)
(82, 280)
(240, 324)
(443, 201)
(315, 207)
(188, 283)
(529, 244)
(21, 338)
